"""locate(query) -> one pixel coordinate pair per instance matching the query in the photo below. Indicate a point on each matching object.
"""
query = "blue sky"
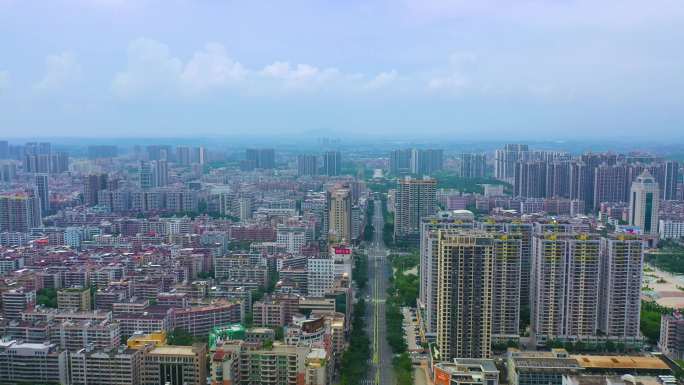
(409, 68)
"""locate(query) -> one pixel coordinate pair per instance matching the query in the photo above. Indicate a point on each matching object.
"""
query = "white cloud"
(301, 75)
(60, 70)
(382, 79)
(458, 74)
(452, 82)
(211, 68)
(152, 70)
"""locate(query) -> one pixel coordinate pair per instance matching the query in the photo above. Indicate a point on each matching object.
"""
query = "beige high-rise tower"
(464, 294)
(340, 207)
(644, 203)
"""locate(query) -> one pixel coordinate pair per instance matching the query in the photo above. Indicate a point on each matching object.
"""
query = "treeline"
(405, 286)
(650, 319)
(670, 257)
(354, 364)
(402, 291)
(360, 271)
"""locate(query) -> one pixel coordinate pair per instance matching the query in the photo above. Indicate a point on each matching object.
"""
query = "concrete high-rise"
(564, 284)
(610, 183)
(472, 165)
(261, 158)
(339, 215)
(43, 190)
(145, 175)
(506, 272)
(558, 179)
(505, 160)
(332, 163)
(464, 301)
(19, 213)
(160, 172)
(307, 165)
(426, 162)
(400, 162)
(670, 181)
(415, 199)
(92, 185)
(622, 262)
(530, 179)
(644, 203)
(429, 258)
(183, 155)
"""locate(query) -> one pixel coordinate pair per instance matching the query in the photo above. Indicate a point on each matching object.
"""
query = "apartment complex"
(415, 199)
(464, 299)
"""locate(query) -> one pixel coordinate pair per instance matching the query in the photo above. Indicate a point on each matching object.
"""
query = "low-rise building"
(466, 371)
(106, 367)
(34, 363)
(74, 299)
(535, 368)
(175, 365)
(671, 341)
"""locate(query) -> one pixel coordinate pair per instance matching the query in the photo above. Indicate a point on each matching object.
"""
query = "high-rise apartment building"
(610, 183)
(670, 181)
(472, 165)
(183, 155)
(400, 162)
(416, 161)
(644, 203)
(261, 158)
(102, 152)
(320, 276)
(464, 301)
(340, 215)
(426, 162)
(558, 179)
(622, 262)
(19, 213)
(92, 185)
(307, 165)
(4, 149)
(564, 284)
(530, 179)
(415, 199)
(332, 163)
(429, 258)
(506, 272)
(160, 173)
(505, 160)
(43, 191)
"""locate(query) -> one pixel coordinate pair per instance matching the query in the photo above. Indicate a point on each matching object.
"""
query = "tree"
(179, 336)
(47, 297)
(279, 333)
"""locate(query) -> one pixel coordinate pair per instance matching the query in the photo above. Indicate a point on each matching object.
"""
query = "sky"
(452, 69)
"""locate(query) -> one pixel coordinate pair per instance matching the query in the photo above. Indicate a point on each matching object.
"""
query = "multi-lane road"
(378, 276)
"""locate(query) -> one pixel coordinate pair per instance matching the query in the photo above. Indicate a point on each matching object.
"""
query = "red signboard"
(342, 250)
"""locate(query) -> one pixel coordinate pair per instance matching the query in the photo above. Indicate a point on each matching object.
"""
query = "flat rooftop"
(621, 362)
(175, 350)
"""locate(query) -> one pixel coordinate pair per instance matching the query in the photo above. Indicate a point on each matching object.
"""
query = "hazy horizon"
(409, 70)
